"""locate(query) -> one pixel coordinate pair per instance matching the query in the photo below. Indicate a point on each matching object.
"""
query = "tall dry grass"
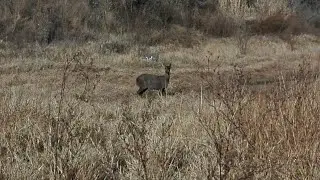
(68, 111)
(230, 127)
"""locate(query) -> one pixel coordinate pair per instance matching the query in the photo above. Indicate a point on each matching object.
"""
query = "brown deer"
(154, 82)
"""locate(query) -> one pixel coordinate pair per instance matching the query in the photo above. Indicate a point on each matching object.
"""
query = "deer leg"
(141, 91)
(163, 91)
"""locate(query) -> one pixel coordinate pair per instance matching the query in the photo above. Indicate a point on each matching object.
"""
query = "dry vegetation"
(243, 105)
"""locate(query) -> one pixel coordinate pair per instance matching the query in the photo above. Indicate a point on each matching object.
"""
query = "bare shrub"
(217, 24)
(45, 22)
(134, 136)
(242, 119)
(308, 9)
(227, 127)
(83, 20)
(283, 25)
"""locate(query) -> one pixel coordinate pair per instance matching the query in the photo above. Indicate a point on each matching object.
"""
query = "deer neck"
(167, 76)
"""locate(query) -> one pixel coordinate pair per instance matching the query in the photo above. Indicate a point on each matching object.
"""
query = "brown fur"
(153, 82)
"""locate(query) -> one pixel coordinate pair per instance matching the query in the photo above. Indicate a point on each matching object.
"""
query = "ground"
(227, 115)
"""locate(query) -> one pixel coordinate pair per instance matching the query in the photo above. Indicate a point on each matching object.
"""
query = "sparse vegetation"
(242, 103)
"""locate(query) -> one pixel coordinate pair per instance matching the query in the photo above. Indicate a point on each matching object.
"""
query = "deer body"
(153, 82)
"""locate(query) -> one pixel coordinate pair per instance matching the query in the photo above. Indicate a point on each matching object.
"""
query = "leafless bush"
(285, 26)
(135, 138)
(84, 20)
(217, 24)
(241, 119)
(65, 20)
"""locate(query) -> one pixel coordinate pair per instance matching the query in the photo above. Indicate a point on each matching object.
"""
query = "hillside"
(242, 101)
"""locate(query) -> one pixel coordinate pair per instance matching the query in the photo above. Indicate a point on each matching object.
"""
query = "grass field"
(70, 111)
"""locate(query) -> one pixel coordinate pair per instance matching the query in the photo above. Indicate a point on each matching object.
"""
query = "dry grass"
(71, 112)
